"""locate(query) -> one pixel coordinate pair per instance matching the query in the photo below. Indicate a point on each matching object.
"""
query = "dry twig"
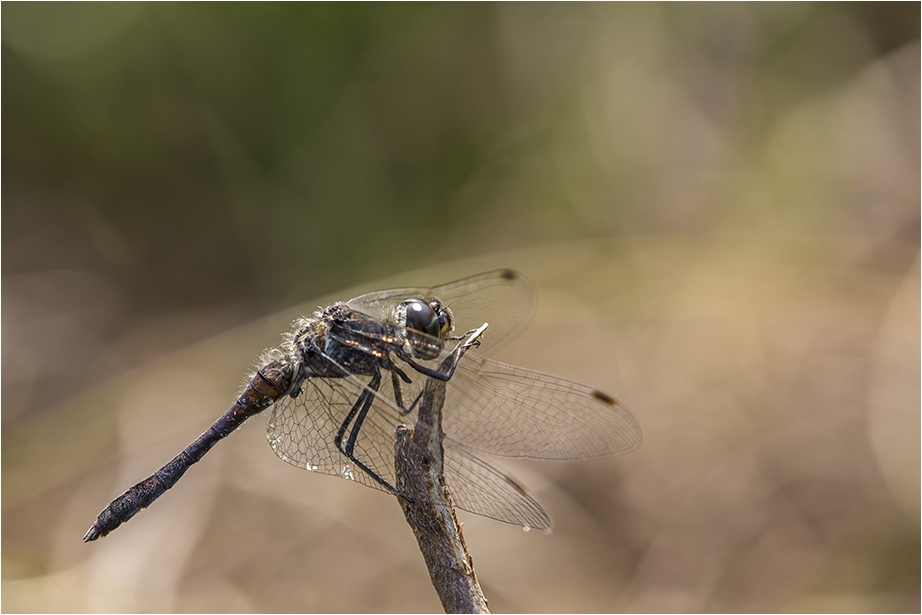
(427, 503)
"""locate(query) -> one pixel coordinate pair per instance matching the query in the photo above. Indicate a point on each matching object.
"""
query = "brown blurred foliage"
(718, 203)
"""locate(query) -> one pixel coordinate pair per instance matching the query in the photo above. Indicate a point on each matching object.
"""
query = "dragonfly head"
(427, 326)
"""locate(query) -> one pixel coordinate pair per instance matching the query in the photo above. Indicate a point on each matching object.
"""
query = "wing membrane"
(490, 407)
(504, 298)
(301, 432)
(510, 411)
(483, 489)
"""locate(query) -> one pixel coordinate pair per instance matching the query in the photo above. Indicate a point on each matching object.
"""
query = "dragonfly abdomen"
(269, 384)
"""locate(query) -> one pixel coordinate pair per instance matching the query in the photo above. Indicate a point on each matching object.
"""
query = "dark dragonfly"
(344, 378)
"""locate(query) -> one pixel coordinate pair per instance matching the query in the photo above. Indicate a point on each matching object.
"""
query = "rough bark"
(428, 507)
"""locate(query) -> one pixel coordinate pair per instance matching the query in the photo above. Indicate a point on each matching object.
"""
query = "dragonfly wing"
(483, 489)
(509, 411)
(302, 430)
(503, 297)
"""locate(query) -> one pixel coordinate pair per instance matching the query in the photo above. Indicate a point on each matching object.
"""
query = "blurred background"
(718, 204)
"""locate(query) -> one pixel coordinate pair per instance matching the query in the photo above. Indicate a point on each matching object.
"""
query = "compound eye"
(423, 318)
(445, 324)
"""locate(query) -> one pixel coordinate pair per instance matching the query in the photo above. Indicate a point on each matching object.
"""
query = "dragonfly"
(346, 377)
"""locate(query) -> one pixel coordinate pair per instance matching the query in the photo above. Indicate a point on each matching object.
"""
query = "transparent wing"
(490, 407)
(301, 431)
(503, 297)
(510, 411)
(481, 488)
(506, 410)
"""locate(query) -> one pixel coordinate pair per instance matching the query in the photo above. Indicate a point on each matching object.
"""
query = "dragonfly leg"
(338, 438)
(434, 373)
(398, 395)
(360, 408)
(419, 396)
(447, 369)
(438, 374)
(458, 338)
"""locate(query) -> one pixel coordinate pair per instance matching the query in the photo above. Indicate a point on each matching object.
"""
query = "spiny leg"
(338, 438)
(398, 395)
(361, 406)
